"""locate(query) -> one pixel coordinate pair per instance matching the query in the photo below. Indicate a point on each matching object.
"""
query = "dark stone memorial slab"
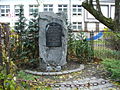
(53, 35)
(52, 41)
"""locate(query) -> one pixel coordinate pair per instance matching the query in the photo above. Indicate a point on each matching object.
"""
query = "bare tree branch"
(91, 2)
(86, 1)
(98, 6)
(99, 16)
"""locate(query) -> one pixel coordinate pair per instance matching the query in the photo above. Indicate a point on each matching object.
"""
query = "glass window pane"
(74, 9)
(59, 5)
(2, 14)
(31, 10)
(60, 9)
(79, 23)
(45, 9)
(65, 9)
(2, 6)
(35, 5)
(79, 10)
(79, 27)
(50, 9)
(74, 5)
(74, 14)
(17, 10)
(36, 10)
(17, 14)
(7, 6)
(30, 5)
(74, 27)
(64, 5)
(7, 10)
(79, 5)
(50, 5)
(2, 11)
(74, 22)
(45, 5)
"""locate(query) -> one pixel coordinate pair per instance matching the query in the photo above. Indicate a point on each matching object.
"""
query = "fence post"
(92, 44)
(1, 62)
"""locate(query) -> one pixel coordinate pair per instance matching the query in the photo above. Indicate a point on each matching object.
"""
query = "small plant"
(79, 47)
(71, 45)
(104, 53)
(112, 40)
(113, 67)
(84, 50)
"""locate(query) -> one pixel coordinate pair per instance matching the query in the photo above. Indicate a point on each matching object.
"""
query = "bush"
(80, 48)
(24, 49)
(106, 53)
(113, 67)
(112, 40)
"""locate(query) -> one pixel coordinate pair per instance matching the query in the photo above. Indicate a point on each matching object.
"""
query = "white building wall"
(85, 17)
(12, 18)
(108, 10)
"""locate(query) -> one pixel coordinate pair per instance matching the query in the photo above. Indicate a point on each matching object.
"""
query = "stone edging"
(54, 73)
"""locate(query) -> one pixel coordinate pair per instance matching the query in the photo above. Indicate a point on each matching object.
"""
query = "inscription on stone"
(53, 35)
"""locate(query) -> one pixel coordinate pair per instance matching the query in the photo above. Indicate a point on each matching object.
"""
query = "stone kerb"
(55, 73)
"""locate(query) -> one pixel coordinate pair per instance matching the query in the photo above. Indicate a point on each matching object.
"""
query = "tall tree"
(114, 25)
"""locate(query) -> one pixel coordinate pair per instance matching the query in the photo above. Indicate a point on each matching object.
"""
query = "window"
(33, 9)
(77, 25)
(4, 10)
(48, 8)
(62, 7)
(17, 10)
(76, 9)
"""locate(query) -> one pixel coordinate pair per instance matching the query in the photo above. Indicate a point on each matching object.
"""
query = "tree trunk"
(117, 15)
(114, 25)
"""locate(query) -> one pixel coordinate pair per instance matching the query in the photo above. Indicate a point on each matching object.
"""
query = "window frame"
(78, 9)
(18, 8)
(48, 8)
(78, 25)
(32, 8)
(5, 13)
(63, 8)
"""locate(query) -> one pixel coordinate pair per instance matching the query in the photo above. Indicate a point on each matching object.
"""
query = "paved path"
(86, 84)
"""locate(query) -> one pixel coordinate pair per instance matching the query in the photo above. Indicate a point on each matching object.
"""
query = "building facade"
(108, 10)
(78, 17)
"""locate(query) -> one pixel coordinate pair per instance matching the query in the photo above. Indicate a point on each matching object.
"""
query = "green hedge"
(112, 66)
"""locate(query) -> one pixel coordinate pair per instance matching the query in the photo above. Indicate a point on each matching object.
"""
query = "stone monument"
(52, 41)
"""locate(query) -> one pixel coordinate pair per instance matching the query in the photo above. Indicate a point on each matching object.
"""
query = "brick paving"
(92, 83)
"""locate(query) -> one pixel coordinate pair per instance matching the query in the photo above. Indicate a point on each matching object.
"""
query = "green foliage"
(84, 50)
(104, 53)
(7, 72)
(71, 44)
(112, 40)
(81, 48)
(7, 82)
(113, 66)
(25, 76)
(31, 82)
(24, 45)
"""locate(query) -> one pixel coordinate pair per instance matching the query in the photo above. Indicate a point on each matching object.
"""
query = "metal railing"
(105, 44)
